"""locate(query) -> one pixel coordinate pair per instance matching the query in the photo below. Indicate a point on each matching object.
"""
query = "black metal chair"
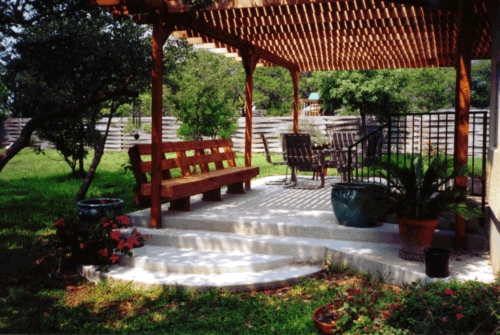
(269, 160)
(300, 156)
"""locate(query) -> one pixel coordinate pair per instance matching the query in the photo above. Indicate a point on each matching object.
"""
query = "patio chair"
(269, 160)
(365, 154)
(300, 156)
(339, 154)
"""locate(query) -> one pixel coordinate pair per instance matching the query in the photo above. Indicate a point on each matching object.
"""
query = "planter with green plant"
(418, 192)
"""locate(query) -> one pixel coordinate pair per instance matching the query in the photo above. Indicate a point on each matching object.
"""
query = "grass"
(35, 191)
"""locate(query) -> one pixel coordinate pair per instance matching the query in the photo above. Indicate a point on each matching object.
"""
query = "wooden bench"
(214, 169)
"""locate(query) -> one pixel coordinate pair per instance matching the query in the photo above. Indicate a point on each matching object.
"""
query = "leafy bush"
(97, 242)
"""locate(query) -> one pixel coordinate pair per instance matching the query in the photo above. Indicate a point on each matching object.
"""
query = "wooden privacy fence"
(412, 129)
(119, 139)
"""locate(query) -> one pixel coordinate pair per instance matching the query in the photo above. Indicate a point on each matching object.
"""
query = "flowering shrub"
(447, 308)
(98, 242)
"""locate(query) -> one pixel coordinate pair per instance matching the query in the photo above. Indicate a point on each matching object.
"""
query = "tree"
(204, 102)
(66, 57)
(377, 93)
(430, 89)
(480, 83)
(71, 139)
(273, 90)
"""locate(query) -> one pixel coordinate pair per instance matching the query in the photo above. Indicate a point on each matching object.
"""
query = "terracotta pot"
(325, 328)
(416, 236)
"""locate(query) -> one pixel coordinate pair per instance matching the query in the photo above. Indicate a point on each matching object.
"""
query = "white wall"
(494, 152)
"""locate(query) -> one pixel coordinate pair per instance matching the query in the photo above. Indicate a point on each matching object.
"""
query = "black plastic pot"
(437, 262)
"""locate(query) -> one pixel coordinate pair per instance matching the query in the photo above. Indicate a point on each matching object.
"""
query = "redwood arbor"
(305, 35)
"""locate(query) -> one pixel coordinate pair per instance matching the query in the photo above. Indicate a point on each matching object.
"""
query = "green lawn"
(35, 190)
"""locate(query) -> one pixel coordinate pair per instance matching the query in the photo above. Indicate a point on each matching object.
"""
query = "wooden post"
(249, 59)
(462, 105)
(156, 122)
(160, 36)
(295, 83)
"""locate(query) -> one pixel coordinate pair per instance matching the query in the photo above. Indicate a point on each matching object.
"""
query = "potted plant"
(100, 242)
(418, 192)
(350, 312)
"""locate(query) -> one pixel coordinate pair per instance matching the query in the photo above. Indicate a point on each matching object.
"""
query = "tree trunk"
(23, 141)
(36, 122)
(98, 153)
(363, 122)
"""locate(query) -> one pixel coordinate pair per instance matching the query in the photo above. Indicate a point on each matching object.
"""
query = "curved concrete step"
(255, 280)
(301, 249)
(189, 261)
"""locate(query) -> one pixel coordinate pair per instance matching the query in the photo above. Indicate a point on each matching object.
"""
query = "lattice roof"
(327, 34)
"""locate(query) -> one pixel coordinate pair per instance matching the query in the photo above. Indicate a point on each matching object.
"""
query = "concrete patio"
(273, 236)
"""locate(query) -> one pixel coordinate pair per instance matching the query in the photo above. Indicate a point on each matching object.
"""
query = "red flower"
(61, 223)
(104, 219)
(129, 244)
(444, 319)
(114, 258)
(459, 316)
(115, 226)
(104, 252)
(106, 224)
(449, 292)
(115, 235)
(82, 245)
(121, 244)
(124, 220)
(133, 239)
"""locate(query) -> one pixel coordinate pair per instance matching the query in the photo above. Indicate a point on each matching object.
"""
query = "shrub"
(97, 242)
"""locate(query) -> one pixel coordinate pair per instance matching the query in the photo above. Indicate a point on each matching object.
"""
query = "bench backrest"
(197, 154)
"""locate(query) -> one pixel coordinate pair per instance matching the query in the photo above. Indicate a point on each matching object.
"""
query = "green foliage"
(273, 90)
(429, 89)
(445, 308)
(421, 190)
(204, 102)
(61, 61)
(71, 138)
(480, 83)
(377, 93)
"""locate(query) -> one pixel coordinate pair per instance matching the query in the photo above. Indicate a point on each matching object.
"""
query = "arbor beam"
(462, 105)
(199, 25)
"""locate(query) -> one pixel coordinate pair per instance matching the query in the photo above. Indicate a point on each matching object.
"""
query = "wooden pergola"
(317, 35)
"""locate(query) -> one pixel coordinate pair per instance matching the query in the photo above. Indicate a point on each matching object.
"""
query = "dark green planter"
(96, 209)
(358, 204)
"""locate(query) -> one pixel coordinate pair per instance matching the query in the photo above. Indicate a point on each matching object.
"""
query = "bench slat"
(172, 163)
(146, 149)
(198, 183)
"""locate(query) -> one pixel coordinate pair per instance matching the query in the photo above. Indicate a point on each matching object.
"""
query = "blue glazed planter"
(96, 209)
(358, 204)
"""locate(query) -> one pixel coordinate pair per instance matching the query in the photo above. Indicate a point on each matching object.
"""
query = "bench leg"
(212, 195)
(236, 188)
(140, 199)
(182, 204)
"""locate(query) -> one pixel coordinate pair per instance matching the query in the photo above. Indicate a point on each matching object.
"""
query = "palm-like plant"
(426, 188)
